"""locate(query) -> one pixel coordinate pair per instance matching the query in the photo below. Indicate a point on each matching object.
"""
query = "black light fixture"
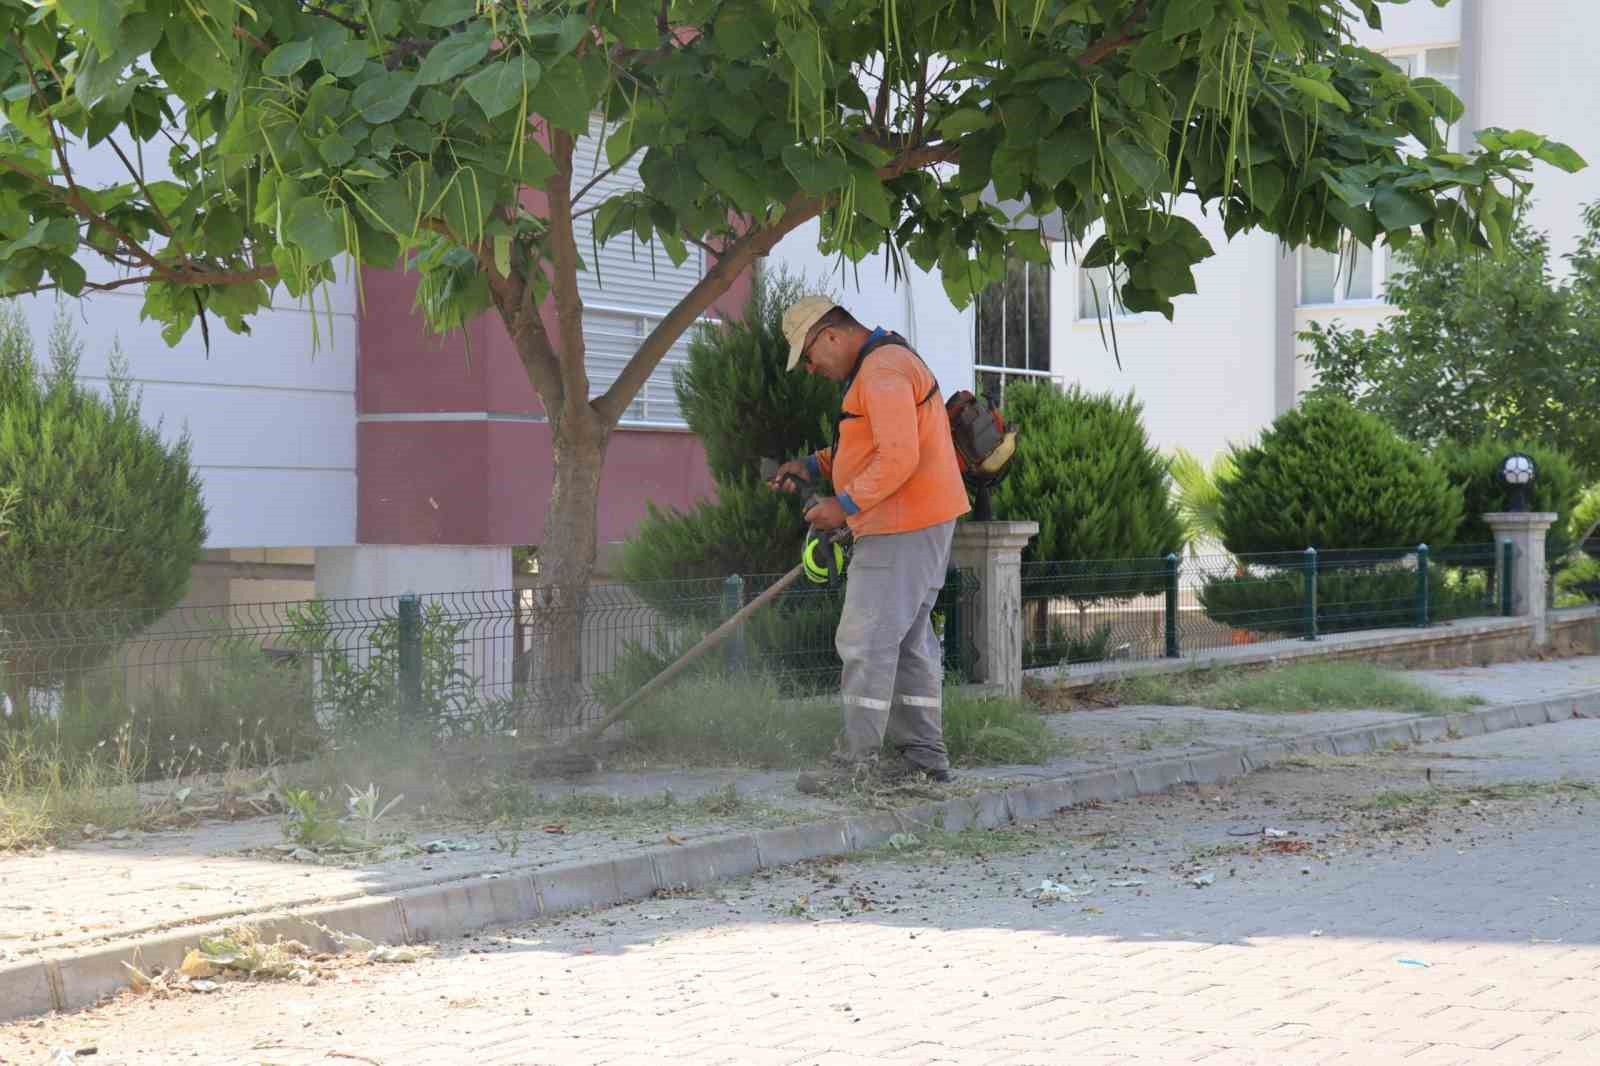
(1518, 471)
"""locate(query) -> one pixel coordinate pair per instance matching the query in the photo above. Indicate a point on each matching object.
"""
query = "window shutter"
(627, 288)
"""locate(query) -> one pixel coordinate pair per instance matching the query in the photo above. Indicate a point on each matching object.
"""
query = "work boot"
(897, 769)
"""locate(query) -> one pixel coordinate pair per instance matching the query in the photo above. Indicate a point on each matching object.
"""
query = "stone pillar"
(1526, 531)
(993, 552)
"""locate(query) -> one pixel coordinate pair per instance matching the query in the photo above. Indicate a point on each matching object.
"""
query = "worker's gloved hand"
(790, 477)
(826, 514)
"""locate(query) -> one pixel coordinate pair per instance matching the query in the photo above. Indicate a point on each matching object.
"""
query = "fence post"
(1422, 584)
(732, 600)
(948, 606)
(1172, 605)
(410, 655)
(1309, 596)
(1507, 553)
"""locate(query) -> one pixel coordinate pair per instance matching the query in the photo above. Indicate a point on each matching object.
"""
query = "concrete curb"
(445, 909)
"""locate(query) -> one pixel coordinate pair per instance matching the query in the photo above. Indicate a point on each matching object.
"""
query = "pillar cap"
(995, 534)
(1514, 520)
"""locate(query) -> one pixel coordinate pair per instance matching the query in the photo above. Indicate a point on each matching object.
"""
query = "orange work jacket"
(894, 465)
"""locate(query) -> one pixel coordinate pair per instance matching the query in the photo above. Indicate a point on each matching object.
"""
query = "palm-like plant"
(1199, 497)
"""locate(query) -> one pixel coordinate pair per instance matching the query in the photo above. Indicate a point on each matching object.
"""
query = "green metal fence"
(1092, 611)
(285, 674)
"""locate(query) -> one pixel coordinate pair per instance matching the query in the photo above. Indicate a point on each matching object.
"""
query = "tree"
(1481, 347)
(105, 520)
(441, 135)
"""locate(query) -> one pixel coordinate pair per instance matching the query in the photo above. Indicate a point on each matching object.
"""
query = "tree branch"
(731, 262)
(245, 35)
(513, 298)
(166, 223)
(564, 276)
(1106, 46)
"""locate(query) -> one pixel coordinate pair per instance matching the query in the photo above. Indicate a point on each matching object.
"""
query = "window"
(1011, 337)
(1442, 65)
(627, 290)
(1100, 293)
(1342, 277)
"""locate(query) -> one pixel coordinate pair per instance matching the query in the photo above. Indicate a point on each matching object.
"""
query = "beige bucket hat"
(798, 320)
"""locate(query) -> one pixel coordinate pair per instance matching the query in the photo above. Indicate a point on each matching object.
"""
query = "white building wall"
(1206, 378)
(271, 415)
(1539, 65)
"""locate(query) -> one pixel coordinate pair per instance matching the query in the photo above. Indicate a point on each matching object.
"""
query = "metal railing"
(1092, 611)
(196, 683)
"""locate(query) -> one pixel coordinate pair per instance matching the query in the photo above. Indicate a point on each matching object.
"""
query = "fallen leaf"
(555, 828)
(197, 965)
(674, 840)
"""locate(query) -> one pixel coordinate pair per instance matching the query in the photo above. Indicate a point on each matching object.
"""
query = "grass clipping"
(746, 721)
(242, 954)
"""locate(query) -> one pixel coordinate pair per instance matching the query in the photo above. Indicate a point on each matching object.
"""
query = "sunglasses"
(805, 353)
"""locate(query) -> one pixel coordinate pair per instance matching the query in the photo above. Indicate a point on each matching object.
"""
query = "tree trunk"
(559, 695)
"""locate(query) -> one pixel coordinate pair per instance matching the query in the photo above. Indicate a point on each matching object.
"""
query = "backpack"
(984, 444)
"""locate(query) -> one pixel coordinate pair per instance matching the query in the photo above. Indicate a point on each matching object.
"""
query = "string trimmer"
(822, 559)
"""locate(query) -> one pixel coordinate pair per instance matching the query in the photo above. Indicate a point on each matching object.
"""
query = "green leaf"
(1559, 155)
(336, 150)
(817, 175)
(502, 254)
(345, 60)
(285, 59)
(1186, 16)
(316, 229)
(1320, 90)
(739, 35)
(498, 87)
(1400, 210)
(383, 98)
(1064, 95)
(1063, 152)
(455, 54)
(872, 199)
(100, 19)
(562, 96)
(803, 46)
(1265, 186)
(95, 77)
(719, 167)
(963, 121)
(1139, 163)
(447, 12)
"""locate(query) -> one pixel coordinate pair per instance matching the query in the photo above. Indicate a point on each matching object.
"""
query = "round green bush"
(1086, 472)
(1474, 469)
(1327, 476)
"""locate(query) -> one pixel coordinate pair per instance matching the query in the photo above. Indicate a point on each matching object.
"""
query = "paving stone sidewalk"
(1461, 935)
(101, 890)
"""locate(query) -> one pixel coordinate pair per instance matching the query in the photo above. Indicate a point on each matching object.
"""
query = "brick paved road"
(1299, 957)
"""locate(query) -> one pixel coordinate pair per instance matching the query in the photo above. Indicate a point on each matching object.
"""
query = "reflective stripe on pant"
(893, 662)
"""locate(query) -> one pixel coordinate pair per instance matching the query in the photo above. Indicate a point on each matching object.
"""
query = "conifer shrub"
(106, 521)
(1327, 476)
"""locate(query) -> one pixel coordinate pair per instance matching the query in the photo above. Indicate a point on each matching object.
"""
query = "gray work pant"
(893, 662)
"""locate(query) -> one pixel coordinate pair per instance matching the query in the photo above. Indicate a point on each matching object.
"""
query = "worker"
(899, 489)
